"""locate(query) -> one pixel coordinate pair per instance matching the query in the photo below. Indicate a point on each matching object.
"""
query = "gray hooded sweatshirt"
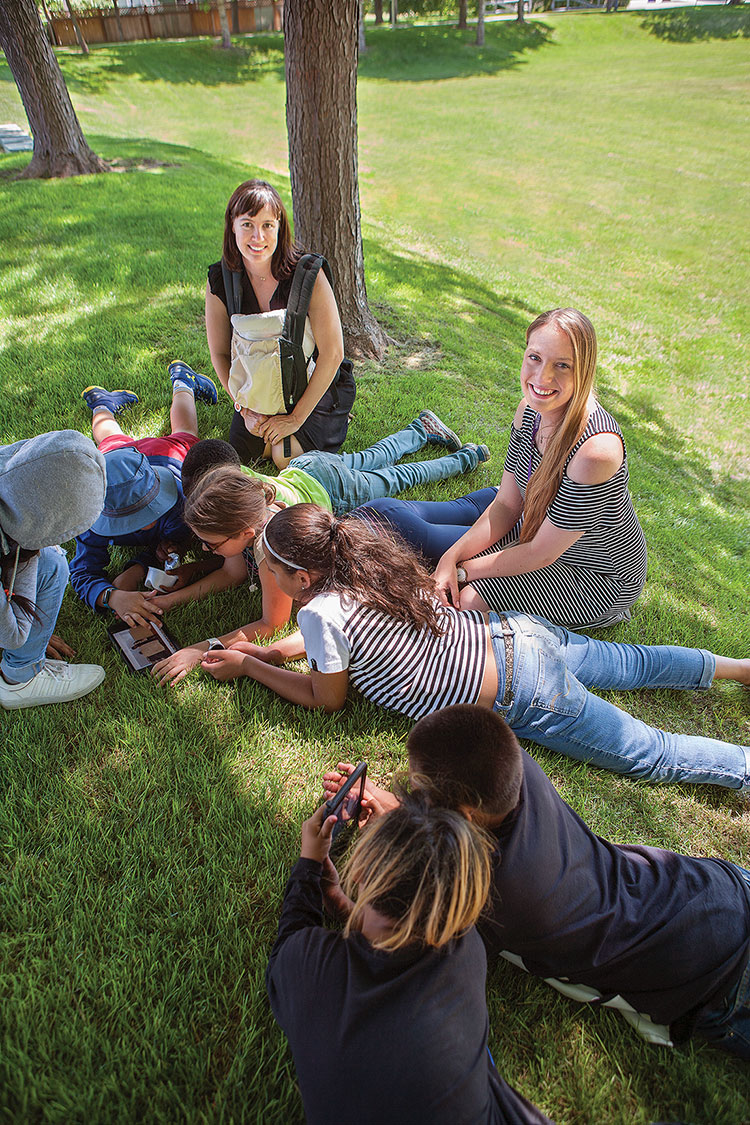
(51, 489)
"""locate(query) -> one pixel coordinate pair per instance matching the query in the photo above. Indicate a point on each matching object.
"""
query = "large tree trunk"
(480, 23)
(394, 12)
(321, 117)
(226, 38)
(378, 6)
(463, 14)
(519, 12)
(59, 145)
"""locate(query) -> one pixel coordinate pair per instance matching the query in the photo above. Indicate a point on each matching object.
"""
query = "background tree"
(480, 23)
(463, 14)
(226, 38)
(321, 117)
(378, 8)
(519, 12)
(394, 12)
(76, 28)
(60, 148)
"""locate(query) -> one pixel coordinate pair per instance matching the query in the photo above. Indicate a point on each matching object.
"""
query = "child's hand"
(58, 649)
(177, 666)
(316, 836)
(134, 607)
(336, 903)
(224, 663)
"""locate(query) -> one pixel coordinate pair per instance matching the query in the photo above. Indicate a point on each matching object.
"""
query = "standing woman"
(258, 241)
(560, 539)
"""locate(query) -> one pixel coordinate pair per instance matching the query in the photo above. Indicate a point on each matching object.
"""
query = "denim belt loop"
(508, 639)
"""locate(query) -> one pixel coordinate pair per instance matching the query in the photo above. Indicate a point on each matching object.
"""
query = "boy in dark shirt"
(664, 933)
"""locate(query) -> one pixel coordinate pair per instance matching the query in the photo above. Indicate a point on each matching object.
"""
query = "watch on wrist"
(106, 596)
(461, 576)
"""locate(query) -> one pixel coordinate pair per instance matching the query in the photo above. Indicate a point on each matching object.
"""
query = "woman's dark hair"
(248, 199)
(8, 563)
(347, 556)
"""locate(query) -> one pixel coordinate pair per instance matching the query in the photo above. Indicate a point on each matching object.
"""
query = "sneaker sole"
(119, 391)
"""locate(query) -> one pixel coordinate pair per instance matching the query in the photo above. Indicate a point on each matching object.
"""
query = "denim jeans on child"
(552, 670)
(431, 526)
(351, 479)
(727, 1024)
(23, 663)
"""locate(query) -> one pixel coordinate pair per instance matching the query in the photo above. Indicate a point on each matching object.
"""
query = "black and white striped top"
(604, 571)
(393, 664)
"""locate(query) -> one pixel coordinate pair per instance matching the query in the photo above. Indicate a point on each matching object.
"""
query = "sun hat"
(137, 493)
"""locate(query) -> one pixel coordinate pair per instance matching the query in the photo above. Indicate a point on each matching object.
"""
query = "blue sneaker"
(201, 385)
(114, 401)
(437, 431)
(482, 451)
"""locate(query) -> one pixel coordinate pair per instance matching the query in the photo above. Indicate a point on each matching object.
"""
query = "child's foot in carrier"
(437, 431)
(482, 451)
(201, 386)
(114, 401)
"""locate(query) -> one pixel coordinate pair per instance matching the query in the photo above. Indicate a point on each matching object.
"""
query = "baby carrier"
(273, 353)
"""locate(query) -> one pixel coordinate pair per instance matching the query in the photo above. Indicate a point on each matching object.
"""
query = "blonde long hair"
(426, 869)
(225, 501)
(545, 482)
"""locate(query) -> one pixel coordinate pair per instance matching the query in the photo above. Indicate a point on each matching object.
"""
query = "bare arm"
(495, 522)
(276, 611)
(596, 462)
(219, 335)
(232, 573)
(312, 690)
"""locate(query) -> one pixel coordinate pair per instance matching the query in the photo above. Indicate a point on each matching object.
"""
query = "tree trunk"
(59, 145)
(120, 34)
(362, 42)
(463, 14)
(50, 25)
(226, 38)
(235, 17)
(378, 6)
(321, 117)
(480, 23)
(394, 12)
(79, 34)
(519, 11)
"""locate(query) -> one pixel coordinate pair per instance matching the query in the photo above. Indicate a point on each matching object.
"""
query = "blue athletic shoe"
(114, 401)
(482, 451)
(201, 385)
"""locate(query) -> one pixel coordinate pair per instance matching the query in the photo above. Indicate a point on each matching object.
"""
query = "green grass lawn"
(146, 834)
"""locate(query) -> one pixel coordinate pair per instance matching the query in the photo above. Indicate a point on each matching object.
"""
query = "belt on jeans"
(508, 639)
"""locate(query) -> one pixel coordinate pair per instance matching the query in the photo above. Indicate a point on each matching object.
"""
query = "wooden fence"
(182, 20)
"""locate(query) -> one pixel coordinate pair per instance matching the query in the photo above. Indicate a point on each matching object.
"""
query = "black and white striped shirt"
(391, 663)
(603, 572)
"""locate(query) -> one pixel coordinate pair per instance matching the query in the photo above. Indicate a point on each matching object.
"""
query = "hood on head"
(51, 489)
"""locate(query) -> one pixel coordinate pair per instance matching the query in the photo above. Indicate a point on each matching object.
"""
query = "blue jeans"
(351, 479)
(23, 664)
(552, 670)
(432, 526)
(727, 1025)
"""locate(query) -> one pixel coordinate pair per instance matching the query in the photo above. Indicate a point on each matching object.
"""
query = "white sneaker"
(57, 682)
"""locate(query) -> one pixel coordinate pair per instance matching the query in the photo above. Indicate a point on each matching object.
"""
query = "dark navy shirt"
(668, 933)
(384, 1037)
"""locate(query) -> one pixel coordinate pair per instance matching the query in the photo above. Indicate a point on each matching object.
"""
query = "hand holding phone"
(346, 804)
(316, 835)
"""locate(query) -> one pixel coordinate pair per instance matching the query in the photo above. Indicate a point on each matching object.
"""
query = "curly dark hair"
(348, 557)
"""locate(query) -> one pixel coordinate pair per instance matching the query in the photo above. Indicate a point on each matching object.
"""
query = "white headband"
(276, 555)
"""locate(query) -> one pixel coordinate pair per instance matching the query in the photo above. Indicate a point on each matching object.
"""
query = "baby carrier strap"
(232, 289)
(298, 305)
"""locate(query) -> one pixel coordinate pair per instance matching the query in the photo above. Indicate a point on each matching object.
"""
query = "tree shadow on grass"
(691, 25)
(197, 62)
(426, 54)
